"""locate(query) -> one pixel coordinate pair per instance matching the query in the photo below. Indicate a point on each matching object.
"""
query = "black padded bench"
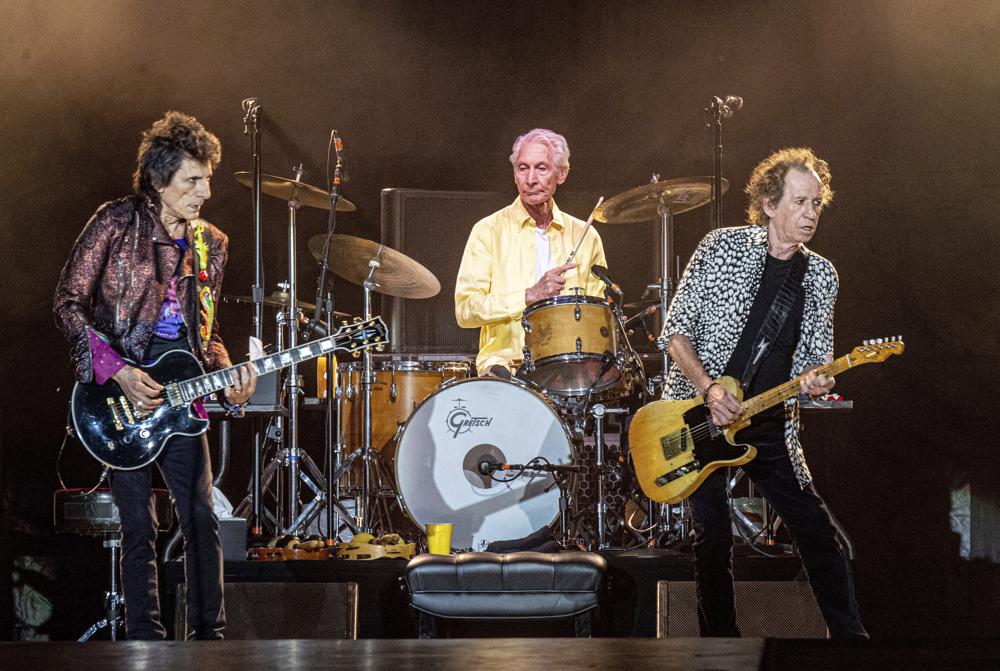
(521, 585)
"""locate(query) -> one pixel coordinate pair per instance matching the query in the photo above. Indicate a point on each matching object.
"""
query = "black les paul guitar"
(121, 436)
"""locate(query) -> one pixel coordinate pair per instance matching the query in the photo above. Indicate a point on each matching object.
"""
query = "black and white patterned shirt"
(713, 302)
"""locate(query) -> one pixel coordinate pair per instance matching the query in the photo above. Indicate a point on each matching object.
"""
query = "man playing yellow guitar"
(735, 315)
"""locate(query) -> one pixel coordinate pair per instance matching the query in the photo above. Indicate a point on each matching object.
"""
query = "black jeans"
(809, 522)
(187, 470)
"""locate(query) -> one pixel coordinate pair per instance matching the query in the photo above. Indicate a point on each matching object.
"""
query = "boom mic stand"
(251, 127)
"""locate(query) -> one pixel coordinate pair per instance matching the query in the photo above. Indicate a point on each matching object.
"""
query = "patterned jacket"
(713, 302)
(116, 277)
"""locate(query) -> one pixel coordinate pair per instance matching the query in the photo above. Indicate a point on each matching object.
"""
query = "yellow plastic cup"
(439, 538)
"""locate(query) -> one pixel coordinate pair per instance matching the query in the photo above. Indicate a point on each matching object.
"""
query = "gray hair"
(556, 143)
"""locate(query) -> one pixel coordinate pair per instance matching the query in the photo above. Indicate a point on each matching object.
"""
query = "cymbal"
(280, 299)
(285, 189)
(397, 274)
(643, 202)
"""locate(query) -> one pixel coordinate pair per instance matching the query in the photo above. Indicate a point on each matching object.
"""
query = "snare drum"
(463, 425)
(398, 388)
(568, 341)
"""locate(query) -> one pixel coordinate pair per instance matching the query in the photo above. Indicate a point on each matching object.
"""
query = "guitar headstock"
(877, 350)
(362, 335)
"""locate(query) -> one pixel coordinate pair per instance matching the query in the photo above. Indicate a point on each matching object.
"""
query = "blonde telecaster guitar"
(675, 446)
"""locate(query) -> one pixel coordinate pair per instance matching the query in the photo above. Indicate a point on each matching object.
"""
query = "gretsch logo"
(460, 420)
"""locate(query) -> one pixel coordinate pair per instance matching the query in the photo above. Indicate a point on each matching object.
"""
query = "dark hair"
(768, 179)
(165, 145)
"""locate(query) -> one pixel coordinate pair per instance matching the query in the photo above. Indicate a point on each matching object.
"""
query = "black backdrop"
(899, 96)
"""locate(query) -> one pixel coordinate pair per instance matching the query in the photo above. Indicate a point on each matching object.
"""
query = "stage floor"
(508, 654)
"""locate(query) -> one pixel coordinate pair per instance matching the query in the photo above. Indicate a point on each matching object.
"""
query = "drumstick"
(590, 220)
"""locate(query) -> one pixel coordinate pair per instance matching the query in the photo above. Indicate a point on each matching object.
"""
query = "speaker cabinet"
(764, 609)
(432, 228)
(283, 610)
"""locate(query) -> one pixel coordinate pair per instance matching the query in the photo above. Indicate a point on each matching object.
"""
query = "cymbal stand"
(374, 475)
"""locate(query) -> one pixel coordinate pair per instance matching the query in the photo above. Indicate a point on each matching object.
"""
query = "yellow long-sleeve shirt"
(499, 265)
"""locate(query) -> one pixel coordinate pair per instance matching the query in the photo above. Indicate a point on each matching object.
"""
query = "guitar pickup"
(676, 443)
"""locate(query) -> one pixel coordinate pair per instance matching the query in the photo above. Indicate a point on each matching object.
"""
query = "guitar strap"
(781, 307)
(202, 297)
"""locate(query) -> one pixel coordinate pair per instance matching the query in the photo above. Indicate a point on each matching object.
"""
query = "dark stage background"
(901, 97)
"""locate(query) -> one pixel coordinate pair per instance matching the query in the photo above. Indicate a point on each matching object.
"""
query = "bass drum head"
(452, 432)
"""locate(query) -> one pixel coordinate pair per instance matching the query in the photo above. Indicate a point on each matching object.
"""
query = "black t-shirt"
(777, 366)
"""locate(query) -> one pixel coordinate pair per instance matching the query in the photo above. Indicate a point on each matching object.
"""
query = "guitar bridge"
(677, 473)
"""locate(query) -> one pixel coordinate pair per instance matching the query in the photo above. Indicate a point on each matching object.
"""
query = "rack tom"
(399, 387)
(570, 345)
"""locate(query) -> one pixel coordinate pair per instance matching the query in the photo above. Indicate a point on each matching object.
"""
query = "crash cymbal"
(285, 189)
(280, 299)
(643, 203)
(397, 274)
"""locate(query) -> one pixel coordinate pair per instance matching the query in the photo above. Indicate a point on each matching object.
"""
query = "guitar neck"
(348, 338)
(783, 392)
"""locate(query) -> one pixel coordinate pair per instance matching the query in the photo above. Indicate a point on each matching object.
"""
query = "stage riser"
(764, 609)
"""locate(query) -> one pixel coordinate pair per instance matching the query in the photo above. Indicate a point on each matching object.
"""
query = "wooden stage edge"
(508, 654)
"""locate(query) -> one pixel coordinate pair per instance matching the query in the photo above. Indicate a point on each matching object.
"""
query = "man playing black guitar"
(755, 304)
(143, 279)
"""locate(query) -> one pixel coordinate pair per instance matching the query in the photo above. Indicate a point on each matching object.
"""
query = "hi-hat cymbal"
(396, 275)
(643, 203)
(280, 299)
(286, 189)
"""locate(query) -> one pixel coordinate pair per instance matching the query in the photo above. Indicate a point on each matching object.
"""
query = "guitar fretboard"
(870, 352)
(359, 336)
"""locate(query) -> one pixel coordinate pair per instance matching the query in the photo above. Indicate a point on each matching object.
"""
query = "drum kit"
(415, 440)
(419, 439)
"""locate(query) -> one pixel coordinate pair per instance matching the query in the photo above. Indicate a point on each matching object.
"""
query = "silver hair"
(557, 145)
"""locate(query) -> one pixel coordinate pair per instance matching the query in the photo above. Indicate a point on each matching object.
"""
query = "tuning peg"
(357, 319)
(380, 348)
(865, 342)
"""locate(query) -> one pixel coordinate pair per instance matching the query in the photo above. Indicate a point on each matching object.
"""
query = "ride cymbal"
(395, 275)
(643, 203)
(286, 189)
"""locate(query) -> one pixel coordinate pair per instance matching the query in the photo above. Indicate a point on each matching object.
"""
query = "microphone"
(312, 326)
(502, 372)
(727, 107)
(487, 466)
(547, 468)
(601, 273)
(340, 170)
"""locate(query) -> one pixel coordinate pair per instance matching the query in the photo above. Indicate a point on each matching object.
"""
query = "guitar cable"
(67, 433)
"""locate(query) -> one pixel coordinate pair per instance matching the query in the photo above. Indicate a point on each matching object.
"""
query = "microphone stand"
(715, 110)
(251, 127)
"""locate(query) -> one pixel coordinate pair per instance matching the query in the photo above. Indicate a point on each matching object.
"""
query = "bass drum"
(462, 425)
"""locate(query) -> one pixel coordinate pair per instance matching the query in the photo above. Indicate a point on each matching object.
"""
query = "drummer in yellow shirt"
(513, 256)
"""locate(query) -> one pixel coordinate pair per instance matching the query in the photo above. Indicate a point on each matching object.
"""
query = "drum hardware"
(598, 411)
(374, 267)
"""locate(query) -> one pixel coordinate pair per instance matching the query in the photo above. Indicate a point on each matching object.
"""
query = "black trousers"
(187, 470)
(808, 520)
